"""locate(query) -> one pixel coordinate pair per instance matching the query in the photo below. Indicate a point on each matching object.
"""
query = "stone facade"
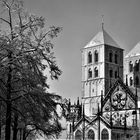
(101, 65)
(109, 109)
(132, 66)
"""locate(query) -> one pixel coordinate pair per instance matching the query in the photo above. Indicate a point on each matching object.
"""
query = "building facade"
(132, 66)
(110, 92)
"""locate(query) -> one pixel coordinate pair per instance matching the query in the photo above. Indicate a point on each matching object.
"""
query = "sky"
(81, 21)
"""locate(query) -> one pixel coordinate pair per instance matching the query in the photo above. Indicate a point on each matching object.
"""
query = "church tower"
(102, 63)
(132, 67)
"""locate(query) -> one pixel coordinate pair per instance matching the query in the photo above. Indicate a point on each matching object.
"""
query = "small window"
(89, 57)
(130, 66)
(131, 81)
(104, 134)
(137, 80)
(90, 73)
(96, 56)
(116, 59)
(137, 66)
(110, 56)
(91, 135)
(95, 72)
(116, 74)
(111, 73)
(78, 135)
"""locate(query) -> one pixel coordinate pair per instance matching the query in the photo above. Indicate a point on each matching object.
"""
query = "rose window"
(119, 100)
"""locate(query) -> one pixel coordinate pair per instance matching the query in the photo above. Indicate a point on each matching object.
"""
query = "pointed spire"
(69, 102)
(98, 111)
(83, 112)
(101, 38)
(102, 22)
(78, 101)
(81, 109)
(126, 81)
(101, 100)
(69, 105)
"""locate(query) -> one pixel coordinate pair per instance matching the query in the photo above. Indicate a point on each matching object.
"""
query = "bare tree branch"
(5, 20)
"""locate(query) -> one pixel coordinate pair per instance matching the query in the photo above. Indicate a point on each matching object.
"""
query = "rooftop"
(134, 52)
(102, 37)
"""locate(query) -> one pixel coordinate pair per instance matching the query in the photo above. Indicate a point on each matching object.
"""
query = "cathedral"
(110, 93)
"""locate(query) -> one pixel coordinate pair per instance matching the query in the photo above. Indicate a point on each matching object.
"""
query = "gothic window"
(89, 73)
(110, 56)
(95, 72)
(96, 56)
(78, 135)
(130, 66)
(131, 81)
(104, 134)
(137, 80)
(111, 73)
(116, 58)
(136, 66)
(116, 74)
(91, 135)
(89, 57)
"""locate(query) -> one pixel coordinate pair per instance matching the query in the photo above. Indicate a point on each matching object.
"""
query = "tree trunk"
(24, 134)
(8, 110)
(0, 119)
(15, 129)
(8, 122)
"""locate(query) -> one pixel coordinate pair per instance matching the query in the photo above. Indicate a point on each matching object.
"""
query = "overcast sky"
(81, 21)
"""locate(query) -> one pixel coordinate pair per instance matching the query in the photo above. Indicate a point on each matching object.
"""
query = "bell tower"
(102, 63)
(132, 67)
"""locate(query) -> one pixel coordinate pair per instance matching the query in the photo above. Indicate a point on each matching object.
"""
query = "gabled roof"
(91, 122)
(102, 38)
(135, 51)
(84, 119)
(118, 82)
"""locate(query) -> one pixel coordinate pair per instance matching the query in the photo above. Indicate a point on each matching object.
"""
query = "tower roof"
(135, 51)
(102, 37)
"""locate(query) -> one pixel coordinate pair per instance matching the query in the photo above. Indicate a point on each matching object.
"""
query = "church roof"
(135, 51)
(125, 88)
(102, 37)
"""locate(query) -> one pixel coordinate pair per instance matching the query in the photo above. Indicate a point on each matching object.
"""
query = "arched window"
(89, 57)
(130, 66)
(104, 134)
(96, 56)
(116, 58)
(95, 72)
(89, 73)
(137, 80)
(111, 73)
(110, 56)
(91, 135)
(78, 135)
(131, 81)
(116, 74)
(137, 66)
